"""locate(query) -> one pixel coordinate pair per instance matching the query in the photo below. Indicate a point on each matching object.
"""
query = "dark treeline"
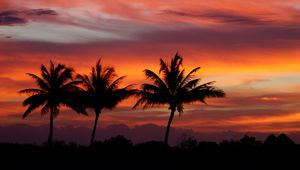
(276, 152)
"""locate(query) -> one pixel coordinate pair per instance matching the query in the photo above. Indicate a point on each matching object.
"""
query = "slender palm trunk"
(95, 127)
(169, 125)
(50, 137)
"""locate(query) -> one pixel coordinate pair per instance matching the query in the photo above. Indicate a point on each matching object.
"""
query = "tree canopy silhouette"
(56, 88)
(174, 89)
(101, 90)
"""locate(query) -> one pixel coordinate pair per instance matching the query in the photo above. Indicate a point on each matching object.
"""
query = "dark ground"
(119, 153)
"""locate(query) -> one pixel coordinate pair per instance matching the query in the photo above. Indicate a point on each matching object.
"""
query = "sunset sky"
(250, 48)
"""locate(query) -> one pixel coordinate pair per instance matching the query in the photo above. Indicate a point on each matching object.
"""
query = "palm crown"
(174, 88)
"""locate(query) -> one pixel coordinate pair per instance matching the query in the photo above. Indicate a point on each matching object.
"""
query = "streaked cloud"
(21, 17)
(49, 32)
(228, 17)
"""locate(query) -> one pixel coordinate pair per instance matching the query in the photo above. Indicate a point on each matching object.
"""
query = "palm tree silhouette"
(102, 91)
(174, 89)
(56, 87)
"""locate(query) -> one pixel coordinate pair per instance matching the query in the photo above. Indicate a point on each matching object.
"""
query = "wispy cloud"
(250, 81)
(17, 17)
(10, 18)
(222, 16)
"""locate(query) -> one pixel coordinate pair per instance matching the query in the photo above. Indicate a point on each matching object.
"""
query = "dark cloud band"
(14, 17)
(220, 16)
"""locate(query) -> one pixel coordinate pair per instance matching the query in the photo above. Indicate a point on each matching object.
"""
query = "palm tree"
(174, 89)
(102, 91)
(56, 87)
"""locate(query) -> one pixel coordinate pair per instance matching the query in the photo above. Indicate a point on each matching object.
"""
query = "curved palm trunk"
(168, 127)
(94, 128)
(50, 137)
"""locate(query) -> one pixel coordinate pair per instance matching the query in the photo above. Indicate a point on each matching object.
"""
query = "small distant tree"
(188, 142)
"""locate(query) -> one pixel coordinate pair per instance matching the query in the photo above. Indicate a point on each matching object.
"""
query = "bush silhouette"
(282, 140)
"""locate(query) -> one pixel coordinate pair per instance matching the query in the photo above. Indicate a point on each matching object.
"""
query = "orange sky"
(251, 48)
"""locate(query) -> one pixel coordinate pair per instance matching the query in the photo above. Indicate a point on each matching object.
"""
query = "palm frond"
(180, 77)
(57, 70)
(176, 62)
(109, 73)
(157, 80)
(33, 91)
(163, 67)
(31, 108)
(139, 102)
(180, 109)
(191, 84)
(71, 84)
(34, 102)
(189, 76)
(86, 82)
(45, 74)
(46, 109)
(200, 93)
(150, 99)
(116, 83)
(51, 67)
(41, 83)
(65, 75)
(36, 98)
(55, 111)
(116, 96)
(151, 88)
(97, 69)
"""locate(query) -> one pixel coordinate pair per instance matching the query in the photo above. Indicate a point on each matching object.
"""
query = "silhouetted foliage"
(188, 143)
(282, 140)
(271, 140)
(118, 141)
(118, 144)
(250, 141)
(101, 91)
(174, 89)
(56, 87)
